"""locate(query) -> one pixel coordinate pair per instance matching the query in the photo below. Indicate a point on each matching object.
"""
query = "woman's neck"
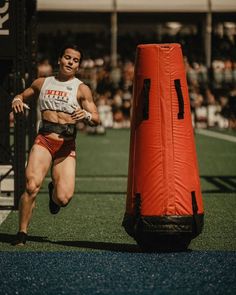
(62, 78)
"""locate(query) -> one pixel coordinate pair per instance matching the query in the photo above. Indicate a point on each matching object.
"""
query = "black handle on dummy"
(146, 89)
(180, 99)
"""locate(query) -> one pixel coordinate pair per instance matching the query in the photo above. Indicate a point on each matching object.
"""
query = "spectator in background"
(218, 72)
(126, 82)
(198, 107)
(105, 110)
(212, 108)
(224, 111)
(228, 72)
(44, 68)
(234, 73)
(126, 108)
(104, 82)
(232, 107)
(192, 75)
(117, 103)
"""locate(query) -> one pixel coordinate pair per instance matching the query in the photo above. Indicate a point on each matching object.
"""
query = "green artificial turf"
(93, 219)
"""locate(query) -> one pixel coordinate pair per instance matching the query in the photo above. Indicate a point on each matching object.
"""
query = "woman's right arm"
(18, 102)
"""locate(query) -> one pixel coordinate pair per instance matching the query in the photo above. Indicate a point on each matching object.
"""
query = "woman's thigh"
(38, 164)
(63, 174)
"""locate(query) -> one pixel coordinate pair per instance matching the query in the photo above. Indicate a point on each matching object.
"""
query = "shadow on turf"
(116, 247)
(222, 184)
(9, 238)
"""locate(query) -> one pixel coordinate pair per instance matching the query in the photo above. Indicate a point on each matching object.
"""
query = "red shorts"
(57, 148)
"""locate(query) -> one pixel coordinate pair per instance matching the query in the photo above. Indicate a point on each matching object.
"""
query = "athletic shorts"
(57, 148)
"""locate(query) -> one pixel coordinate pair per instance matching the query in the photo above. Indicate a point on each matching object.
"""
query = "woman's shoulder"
(38, 83)
(78, 81)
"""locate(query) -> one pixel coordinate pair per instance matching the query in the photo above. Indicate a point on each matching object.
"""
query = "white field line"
(96, 178)
(216, 135)
(3, 215)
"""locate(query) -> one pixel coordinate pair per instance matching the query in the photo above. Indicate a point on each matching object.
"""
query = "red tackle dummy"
(164, 208)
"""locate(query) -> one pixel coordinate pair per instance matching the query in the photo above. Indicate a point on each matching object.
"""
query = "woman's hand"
(80, 115)
(18, 105)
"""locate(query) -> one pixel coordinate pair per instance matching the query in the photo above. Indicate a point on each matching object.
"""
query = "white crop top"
(59, 96)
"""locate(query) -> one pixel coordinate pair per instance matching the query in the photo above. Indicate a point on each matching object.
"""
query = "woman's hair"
(71, 46)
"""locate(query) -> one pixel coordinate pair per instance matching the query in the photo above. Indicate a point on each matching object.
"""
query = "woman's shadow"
(108, 246)
(9, 238)
(95, 245)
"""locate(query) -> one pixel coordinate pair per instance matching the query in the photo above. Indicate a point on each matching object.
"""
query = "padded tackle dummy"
(164, 209)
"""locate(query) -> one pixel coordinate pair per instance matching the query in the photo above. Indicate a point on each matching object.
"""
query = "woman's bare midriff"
(57, 117)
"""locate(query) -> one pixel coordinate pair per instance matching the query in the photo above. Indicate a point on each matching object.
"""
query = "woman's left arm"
(89, 111)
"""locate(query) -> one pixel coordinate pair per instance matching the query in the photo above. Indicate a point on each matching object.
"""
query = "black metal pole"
(208, 35)
(114, 35)
(19, 126)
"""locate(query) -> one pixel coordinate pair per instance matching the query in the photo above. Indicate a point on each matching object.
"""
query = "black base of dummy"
(163, 233)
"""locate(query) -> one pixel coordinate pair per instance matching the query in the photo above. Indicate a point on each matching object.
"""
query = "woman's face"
(69, 62)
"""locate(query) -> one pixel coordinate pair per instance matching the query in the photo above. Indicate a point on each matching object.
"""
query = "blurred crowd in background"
(212, 91)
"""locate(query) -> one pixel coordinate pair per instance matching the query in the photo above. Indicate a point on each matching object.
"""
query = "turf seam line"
(216, 135)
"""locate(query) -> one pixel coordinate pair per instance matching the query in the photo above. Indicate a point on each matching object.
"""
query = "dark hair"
(71, 46)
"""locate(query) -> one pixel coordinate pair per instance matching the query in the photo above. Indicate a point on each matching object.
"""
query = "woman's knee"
(32, 187)
(65, 202)
(63, 198)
